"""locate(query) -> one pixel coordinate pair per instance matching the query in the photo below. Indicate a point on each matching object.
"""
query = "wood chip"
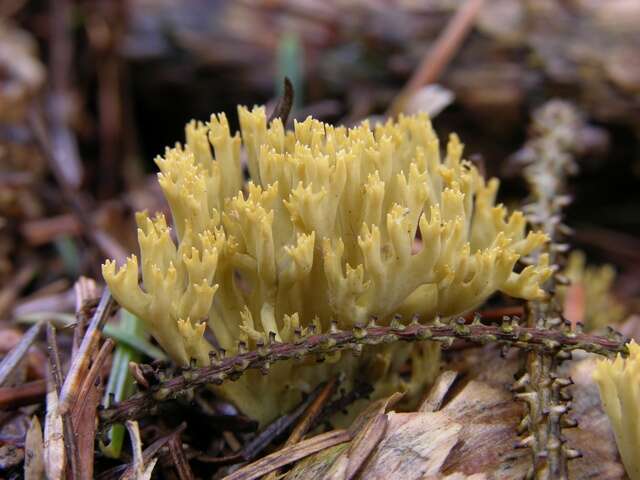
(415, 445)
(290, 454)
(34, 452)
(54, 450)
(349, 462)
(438, 391)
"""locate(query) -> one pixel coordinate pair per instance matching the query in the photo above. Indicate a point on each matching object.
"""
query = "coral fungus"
(619, 386)
(322, 236)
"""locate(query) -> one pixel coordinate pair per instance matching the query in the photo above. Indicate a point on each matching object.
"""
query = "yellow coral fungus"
(323, 232)
(589, 298)
(619, 384)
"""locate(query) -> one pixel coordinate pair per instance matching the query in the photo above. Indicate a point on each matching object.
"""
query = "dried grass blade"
(15, 356)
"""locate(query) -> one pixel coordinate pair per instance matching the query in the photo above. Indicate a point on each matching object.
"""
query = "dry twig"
(510, 333)
(439, 56)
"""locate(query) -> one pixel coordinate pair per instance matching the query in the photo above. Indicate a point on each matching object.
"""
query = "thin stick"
(510, 334)
(312, 413)
(26, 394)
(439, 56)
(308, 418)
(15, 356)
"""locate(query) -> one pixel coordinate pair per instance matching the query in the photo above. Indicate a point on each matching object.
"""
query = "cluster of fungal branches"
(547, 338)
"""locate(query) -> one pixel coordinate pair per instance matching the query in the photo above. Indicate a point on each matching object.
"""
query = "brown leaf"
(489, 416)
(473, 435)
(84, 423)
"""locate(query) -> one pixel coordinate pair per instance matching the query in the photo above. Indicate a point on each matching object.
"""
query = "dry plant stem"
(54, 445)
(109, 16)
(439, 56)
(552, 146)
(55, 367)
(179, 459)
(437, 393)
(252, 449)
(136, 447)
(509, 334)
(69, 391)
(61, 59)
(261, 441)
(86, 291)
